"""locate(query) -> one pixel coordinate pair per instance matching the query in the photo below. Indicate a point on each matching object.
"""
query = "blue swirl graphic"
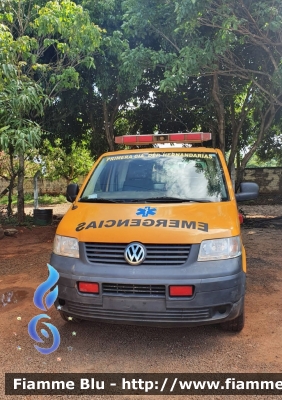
(33, 334)
(44, 287)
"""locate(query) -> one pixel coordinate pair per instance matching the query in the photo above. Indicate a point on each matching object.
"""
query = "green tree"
(236, 45)
(57, 163)
(19, 98)
(108, 89)
(270, 150)
(41, 46)
(8, 172)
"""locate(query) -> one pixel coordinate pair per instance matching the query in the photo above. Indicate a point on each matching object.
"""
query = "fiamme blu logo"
(40, 297)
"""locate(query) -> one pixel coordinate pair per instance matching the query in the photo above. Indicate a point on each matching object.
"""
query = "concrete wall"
(56, 187)
(268, 179)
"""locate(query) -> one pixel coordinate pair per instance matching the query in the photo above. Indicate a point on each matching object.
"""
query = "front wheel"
(235, 325)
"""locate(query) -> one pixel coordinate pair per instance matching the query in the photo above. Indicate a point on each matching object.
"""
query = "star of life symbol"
(146, 211)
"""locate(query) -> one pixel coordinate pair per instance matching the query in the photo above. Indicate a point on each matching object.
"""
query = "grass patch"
(45, 199)
(13, 221)
(48, 199)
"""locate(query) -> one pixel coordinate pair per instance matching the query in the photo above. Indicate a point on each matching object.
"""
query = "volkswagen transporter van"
(153, 238)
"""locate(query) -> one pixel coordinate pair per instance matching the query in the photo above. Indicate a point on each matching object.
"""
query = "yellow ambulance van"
(153, 238)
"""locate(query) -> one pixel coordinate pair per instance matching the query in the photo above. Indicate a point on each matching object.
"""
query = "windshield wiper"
(163, 199)
(167, 199)
(96, 200)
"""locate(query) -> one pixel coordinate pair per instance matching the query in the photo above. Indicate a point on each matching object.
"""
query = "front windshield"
(156, 176)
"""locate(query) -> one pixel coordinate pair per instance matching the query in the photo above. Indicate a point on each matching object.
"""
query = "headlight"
(66, 246)
(220, 249)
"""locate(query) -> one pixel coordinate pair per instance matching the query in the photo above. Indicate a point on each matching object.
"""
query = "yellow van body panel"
(172, 223)
(244, 259)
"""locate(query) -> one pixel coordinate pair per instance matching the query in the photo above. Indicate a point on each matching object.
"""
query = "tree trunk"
(109, 127)
(219, 107)
(95, 150)
(266, 121)
(213, 132)
(12, 184)
(10, 194)
(6, 190)
(20, 204)
(237, 125)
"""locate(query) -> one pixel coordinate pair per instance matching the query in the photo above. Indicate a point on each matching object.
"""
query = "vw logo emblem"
(135, 253)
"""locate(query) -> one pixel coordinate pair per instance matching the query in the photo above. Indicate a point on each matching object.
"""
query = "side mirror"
(248, 191)
(72, 191)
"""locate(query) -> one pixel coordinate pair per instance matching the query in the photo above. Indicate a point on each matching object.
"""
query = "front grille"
(124, 289)
(162, 254)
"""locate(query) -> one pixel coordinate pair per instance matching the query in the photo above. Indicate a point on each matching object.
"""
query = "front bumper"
(219, 288)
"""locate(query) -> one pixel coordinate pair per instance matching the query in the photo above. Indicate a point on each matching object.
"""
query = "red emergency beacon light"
(140, 140)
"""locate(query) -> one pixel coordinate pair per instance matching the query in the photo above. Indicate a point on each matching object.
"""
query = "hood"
(151, 223)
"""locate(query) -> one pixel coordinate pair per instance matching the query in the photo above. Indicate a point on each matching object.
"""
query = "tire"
(68, 318)
(235, 325)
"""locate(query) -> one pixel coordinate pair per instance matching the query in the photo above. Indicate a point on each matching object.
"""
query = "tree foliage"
(107, 68)
(236, 45)
(41, 46)
(55, 163)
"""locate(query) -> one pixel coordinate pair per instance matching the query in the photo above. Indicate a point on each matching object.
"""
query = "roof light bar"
(141, 140)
